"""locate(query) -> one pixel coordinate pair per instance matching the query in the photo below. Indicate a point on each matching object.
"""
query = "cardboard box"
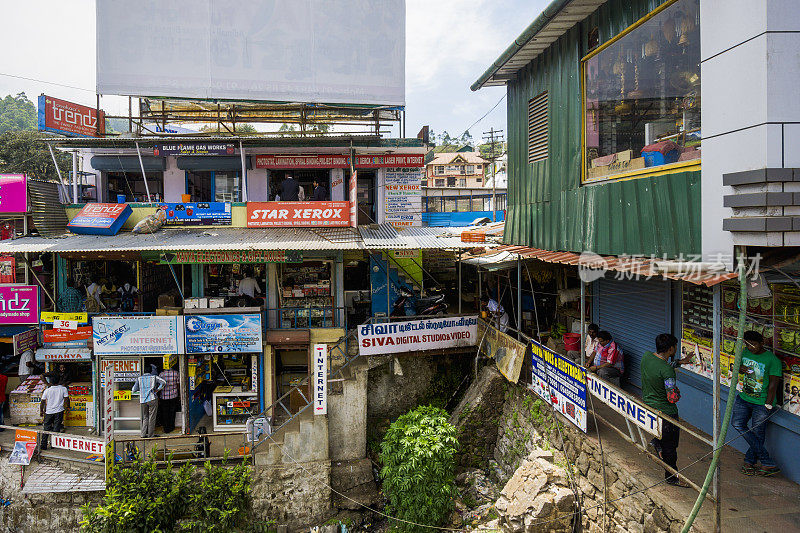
(615, 168)
(191, 303)
(621, 157)
(216, 303)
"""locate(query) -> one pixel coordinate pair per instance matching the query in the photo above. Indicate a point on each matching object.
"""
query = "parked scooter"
(408, 305)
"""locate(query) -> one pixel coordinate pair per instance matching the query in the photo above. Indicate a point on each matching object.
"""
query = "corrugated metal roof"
(636, 267)
(48, 213)
(375, 237)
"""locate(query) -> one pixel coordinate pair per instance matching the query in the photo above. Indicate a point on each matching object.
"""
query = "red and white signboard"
(418, 335)
(391, 161)
(63, 354)
(320, 379)
(67, 118)
(79, 333)
(339, 161)
(78, 444)
(298, 214)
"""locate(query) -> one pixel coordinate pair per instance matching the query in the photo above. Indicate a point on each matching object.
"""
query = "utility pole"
(493, 136)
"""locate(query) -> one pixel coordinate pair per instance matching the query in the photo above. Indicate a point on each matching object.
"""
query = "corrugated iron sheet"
(547, 206)
(431, 238)
(381, 237)
(49, 216)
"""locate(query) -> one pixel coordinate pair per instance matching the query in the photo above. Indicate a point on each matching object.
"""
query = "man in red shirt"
(3, 383)
(608, 361)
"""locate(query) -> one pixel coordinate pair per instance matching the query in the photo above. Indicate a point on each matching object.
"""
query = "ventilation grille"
(537, 128)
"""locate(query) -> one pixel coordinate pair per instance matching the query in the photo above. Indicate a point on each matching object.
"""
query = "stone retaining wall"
(294, 496)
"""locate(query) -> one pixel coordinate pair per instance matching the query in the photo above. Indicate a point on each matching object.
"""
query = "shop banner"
(223, 334)
(108, 423)
(100, 219)
(403, 192)
(8, 265)
(125, 370)
(70, 119)
(231, 257)
(50, 317)
(13, 193)
(80, 333)
(298, 214)
(137, 335)
(559, 382)
(791, 393)
(320, 379)
(302, 161)
(417, 335)
(80, 412)
(194, 149)
(50, 355)
(78, 444)
(198, 214)
(27, 340)
(508, 353)
(624, 404)
(19, 304)
(390, 161)
(24, 446)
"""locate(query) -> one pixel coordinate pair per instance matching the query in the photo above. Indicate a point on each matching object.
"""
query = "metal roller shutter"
(634, 312)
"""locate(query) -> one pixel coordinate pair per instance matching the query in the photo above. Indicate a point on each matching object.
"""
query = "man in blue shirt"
(148, 386)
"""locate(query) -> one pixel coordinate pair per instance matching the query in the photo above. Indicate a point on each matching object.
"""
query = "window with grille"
(537, 128)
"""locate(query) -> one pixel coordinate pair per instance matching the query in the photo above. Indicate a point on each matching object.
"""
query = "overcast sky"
(449, 45)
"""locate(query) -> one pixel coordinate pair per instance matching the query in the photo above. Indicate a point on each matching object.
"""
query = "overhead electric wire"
(487, 113)
(47, 82)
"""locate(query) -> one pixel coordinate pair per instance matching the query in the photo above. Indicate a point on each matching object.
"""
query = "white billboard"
(327, 51)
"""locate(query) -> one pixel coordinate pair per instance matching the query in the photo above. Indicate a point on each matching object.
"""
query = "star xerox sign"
(297, 214)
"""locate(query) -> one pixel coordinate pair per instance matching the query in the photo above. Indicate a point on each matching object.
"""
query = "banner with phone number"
(559, 382)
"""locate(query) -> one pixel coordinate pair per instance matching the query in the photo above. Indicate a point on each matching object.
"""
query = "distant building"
(456, 169)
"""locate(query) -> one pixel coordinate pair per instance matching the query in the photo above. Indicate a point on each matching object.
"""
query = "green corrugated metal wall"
(548, 208)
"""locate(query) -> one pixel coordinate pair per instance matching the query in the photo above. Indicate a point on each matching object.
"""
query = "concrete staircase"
(303, 439)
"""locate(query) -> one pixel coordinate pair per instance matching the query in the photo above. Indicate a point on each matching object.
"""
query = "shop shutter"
(634, 312)
(537, 128)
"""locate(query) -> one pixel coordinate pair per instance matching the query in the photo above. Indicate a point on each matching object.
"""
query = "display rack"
(232, 407)
(305, 294)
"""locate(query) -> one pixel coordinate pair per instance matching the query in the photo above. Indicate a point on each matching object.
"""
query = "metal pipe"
(459, 283)
(144, 176)
(75, 175)
(583, 324)
(388, 286)
(519, 293)
(244, 172)
(58, 171)
(717, 330)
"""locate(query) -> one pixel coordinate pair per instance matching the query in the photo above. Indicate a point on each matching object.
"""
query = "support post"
(61, 184)
(717, 327)
(244, 172)
(144, 176)
(388, 288)
(27, 264)
(583, 324)
(519, 296)
(75, 176)
(459, 283)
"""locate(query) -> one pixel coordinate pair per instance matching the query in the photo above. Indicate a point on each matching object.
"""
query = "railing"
(196, 448)
(305, 317)
(463, 203)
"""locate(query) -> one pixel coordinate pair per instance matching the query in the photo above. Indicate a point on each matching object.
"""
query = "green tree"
(466, 139)
(240, 128)
(24, 152)
(17, 113)
(418, 454)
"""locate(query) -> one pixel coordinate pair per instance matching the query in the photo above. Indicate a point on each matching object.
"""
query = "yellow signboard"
(122, 395)
(169, 360)
(48, 316)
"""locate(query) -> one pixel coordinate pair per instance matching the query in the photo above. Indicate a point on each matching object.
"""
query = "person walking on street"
(149, 386)
(660, 391)
(169, 399)
(760, 377)
(55, 400)
(290, 189)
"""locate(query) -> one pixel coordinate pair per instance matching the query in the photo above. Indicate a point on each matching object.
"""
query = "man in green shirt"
(660, 391)
(760, 375)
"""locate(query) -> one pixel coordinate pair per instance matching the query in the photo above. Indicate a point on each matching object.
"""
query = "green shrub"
(143, 497)
(418, 461)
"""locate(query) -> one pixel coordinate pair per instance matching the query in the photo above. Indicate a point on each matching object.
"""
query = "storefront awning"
(633, 267)
(377, 237)
(129, 163)
(212, 162)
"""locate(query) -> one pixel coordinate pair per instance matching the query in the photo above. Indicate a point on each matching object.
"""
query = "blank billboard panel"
(326, 51)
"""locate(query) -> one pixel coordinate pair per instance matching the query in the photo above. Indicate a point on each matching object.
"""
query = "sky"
(449, 44)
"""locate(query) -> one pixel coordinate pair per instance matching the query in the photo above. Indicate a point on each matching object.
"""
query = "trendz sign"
(67, 118)
(297, 214)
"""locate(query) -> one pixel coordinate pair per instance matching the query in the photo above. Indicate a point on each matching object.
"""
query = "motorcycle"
(407, 304)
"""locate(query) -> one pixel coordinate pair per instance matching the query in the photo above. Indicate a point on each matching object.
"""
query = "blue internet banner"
(559, 382)
(223, 333)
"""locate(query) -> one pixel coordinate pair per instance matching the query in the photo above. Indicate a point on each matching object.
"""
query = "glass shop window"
(642, 96)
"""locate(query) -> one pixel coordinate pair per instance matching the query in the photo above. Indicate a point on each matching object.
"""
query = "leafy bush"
(143, 497)
(418, 461)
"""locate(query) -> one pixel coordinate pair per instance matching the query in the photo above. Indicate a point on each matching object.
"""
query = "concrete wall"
(294, 495)
(347, 418)
(391, 394)
(174, 181)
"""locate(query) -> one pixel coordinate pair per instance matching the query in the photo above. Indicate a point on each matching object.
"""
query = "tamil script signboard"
(559, 382)
(417, 335)
(223, 334)
(194, 149)
(68, 118)
(231, 257)
(13, 193)
(621, 402)
(198, 213)
(100, 219)
(298, 214)
(19, 304)
(403, 189)
(137, 335)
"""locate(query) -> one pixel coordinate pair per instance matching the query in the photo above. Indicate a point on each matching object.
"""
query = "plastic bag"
(151, 223)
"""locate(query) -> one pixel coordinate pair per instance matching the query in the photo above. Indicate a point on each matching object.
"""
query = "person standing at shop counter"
(149, 386)
(169, 399)
(290, 189)
(55, 400)
(320, 194)
(760, 377)
(660, 391)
